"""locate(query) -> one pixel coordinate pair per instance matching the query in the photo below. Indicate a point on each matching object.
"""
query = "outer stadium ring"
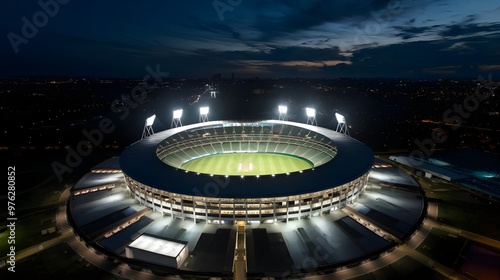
(338, 174)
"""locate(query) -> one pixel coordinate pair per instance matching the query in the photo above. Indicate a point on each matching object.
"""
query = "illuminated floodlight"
(150, 120)
(282, 110)
(176, 118)
(177, 114)
(203, 114)
(310, 112)
(342, 125)
(340, 118)
(148, 128)
(311, 116)
(204, 110)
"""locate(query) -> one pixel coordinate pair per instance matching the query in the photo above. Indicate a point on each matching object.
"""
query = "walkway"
(240, 259)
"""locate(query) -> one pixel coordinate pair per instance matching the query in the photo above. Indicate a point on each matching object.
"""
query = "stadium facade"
(154, 174)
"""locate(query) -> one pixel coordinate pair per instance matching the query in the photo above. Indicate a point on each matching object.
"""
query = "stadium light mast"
(203, 114)
(341, 126)
(311, 116)
(283, 110)
(212, 90)
(176, 118)
(148, 127)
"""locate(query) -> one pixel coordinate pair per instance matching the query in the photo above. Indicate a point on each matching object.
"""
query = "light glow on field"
(246, 164)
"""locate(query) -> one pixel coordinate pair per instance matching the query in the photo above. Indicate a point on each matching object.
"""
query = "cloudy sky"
(280, 38)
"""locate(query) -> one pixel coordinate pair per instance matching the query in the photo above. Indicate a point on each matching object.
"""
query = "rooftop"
(158, 245)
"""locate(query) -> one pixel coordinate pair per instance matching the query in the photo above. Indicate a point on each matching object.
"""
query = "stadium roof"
(140, 162)
(158, 245)
(441, 172)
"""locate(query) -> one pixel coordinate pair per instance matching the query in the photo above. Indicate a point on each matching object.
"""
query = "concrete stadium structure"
(245, 226)
(153, 172)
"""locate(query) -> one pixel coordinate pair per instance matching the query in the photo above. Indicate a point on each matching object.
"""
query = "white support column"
(153, 206)
(171, 206)
(206, 211)
(145, 196)
(182, 209)
(331, 202)
(287, 202)
(220, 214)
(321, 207)
(161, 205)
(194, 210)
(311, 208)
(260, 209)
(300, 205)
(274, 212)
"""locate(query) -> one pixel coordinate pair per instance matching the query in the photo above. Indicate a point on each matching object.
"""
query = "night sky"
(324, 39)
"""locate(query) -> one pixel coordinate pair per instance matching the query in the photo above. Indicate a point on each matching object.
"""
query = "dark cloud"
(307, 14)
(468, 29)
(268, 37)
(425, 59)
(407, 32)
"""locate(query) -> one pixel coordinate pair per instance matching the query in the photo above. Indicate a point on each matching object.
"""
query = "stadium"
(244, 200)
(223, 171)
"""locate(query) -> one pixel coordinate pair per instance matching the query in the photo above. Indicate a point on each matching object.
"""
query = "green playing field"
(246, 164)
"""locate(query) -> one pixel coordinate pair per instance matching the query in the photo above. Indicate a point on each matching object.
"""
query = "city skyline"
(272, 39)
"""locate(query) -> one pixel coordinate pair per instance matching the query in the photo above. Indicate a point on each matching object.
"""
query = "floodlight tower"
(341, 126)
(176, 118)
(311, 116)
(203, 114)
(283, 110)
(148, 127)
(212, 90)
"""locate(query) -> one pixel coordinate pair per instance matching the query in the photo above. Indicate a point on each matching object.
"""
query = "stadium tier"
(258, 171)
